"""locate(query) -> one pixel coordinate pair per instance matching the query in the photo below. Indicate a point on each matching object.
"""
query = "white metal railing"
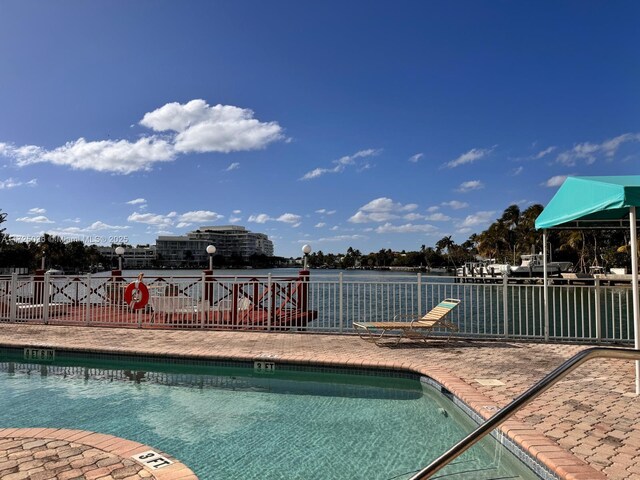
(588, 313)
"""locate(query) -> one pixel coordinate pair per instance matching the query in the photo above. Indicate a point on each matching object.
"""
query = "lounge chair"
(29, 311)
(410, 326)
(173, 306)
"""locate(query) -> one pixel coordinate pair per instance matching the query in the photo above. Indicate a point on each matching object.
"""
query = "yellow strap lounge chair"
(410, 326)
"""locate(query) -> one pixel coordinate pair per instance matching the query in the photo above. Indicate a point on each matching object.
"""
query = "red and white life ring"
(136, 295)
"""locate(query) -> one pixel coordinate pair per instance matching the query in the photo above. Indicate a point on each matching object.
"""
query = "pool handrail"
(533, 392)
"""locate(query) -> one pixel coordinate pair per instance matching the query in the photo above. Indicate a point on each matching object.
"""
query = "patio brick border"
(44, 453)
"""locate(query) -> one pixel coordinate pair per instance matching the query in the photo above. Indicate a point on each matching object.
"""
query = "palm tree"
(445, 244)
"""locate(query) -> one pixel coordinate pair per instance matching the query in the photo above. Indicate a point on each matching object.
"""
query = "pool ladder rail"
(547, 382)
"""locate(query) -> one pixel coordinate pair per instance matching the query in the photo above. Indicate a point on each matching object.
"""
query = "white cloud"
(37, 211)
(589, 152)
(98, 225)
(381, 210)
(544, 152)
(237, 212)
(433, 208)
(362, 217)
(260, 218)
(156, 220)
(415, 158)
(289, 218)
(233, 166)
(470, 185)
(341, 238)
(72, 220)
(11, 183)
(221, 128)
(316, 172)
(384, 204)
(413, 216)
(36, 219)
(478, 218)
(183, 225)
(320, 225)
(610, 147)
(455, 204)
(136, 201)
(342, 163)
(555, 181)
(470, 157)
(406, 228)
(437, 217)
(199, 216)
(196, 127)
(235, 219)
(87, 234)
(118, 156)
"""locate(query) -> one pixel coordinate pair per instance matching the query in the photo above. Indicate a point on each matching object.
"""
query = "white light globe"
(120, 251)
(211, 249)
(306, 249)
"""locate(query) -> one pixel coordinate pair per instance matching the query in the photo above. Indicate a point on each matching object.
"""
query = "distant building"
(229, 240)
(142, 256)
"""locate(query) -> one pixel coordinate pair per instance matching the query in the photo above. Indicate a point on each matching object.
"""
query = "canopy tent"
(596, 202)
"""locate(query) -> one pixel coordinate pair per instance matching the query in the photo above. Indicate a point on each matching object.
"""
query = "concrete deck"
(585, 427)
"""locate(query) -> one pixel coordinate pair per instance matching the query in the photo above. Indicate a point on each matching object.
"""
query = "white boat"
(533, 266)
(53, 271)
(485, 268)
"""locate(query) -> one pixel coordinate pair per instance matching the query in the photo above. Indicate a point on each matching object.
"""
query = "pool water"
(232, 423)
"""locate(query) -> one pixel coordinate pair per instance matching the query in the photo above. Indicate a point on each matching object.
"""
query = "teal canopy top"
(592, 202)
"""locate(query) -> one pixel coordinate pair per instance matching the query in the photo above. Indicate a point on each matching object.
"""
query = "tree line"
(504, 241)
(511, 235)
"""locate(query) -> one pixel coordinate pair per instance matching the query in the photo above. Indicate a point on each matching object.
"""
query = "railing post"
(304, 290)
(38, 287)
(13, 306)
(340, 296)
(207, 293)
(45, 298)
(597, 307)
(545, 285)
(419, 294)
(505, 305)
(87, 312)
(235, 291)
(203, 296)
(269, 297)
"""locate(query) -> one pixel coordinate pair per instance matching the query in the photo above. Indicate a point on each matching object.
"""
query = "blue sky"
(365, 124)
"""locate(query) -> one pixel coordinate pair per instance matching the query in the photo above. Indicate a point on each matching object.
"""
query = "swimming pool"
(231, 422)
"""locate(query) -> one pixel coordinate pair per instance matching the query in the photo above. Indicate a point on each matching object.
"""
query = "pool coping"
(536, 446)
(117, 447)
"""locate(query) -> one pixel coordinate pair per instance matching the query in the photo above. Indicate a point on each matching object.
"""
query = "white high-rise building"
(228, 239)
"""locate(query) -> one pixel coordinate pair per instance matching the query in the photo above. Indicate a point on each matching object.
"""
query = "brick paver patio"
(593, 413)
(48, 453)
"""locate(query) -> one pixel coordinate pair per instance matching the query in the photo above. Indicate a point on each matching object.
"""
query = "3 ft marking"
(46, 354)
(264, 367)
(152, 459)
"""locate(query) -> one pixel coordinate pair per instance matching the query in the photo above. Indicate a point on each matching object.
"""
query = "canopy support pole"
(634, 288)
(545, 285)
